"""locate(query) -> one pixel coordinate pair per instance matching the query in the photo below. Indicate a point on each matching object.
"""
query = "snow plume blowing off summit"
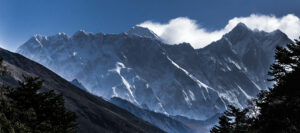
(183, 29)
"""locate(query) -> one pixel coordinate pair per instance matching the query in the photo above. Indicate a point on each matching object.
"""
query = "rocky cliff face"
(171, 79)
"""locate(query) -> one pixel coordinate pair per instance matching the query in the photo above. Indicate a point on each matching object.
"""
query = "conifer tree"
(224, 125)
(233, 120)
(276, 110)
(25, 109)
(280, 106)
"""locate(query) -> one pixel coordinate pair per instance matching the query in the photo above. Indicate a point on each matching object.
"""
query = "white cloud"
(183, 29)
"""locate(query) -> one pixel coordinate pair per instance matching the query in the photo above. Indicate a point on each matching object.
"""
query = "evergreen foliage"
(276, 110)
(233, 120)
(225, 126)
(24, 109)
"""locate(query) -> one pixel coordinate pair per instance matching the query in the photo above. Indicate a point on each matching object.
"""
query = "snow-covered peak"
(36, 40)
(79, 33)
(142, 32)
(239, 31)
(57, 37)
(62, 34)
(242, 38)
(38, 37)
(242, 32)
(185, 45)
(242, 25)
(278, 33)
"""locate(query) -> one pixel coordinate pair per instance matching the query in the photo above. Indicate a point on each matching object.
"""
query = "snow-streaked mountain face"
(171, 79)
(236, 65)
(142, 32)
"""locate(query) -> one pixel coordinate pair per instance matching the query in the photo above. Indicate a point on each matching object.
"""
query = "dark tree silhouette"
(25, 109)
(280, 106)
(233, 120)
(276, 110)
(224, 125)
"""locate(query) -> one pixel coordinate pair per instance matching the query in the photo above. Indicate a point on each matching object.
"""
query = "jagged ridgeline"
(172, 79)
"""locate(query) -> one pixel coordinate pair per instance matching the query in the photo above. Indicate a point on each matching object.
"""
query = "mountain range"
(178, 81)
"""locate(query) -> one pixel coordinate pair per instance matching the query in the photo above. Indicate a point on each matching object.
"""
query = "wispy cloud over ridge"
(183, 29)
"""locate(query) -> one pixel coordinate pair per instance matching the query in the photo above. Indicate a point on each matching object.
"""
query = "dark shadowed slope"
(94, 113)
(160, 120)
(78, 84)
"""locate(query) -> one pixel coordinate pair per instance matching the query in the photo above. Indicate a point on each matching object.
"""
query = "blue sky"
(21, 19)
